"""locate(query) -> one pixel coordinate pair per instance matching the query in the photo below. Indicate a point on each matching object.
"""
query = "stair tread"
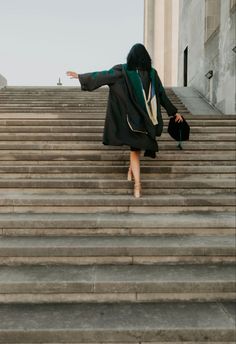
(117, 246)
(195, 219)
(128, 278)
(119, 241)
(108, 184)
(127, 322)
(119, 168)
(21, 198)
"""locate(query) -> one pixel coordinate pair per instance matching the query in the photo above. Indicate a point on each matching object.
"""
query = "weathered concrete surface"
(194, 101)
(115, 249)
(112, 280)
(117, 245)
(194, 219)
(97, 250)
(154, 322)
(213, 54)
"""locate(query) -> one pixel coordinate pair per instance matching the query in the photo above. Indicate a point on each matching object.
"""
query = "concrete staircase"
(81, 260)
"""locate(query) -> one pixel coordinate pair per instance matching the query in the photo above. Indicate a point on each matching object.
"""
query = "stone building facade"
(199, 48)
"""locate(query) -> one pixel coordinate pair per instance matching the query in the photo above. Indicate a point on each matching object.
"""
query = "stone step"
(21, 102)
(44, 100)
(108, 155)
(76, 98)
(53, 99)
(52, 147)
(66, 90)
(18, 202)
(76, 93)
(85, 145)
(67, 93)
(125, 191)
(156, 163)
(56, 199)
(132, 224)
(30, 124)
(61, 89)
(120, 283)
(99, 129)
(136, 323)
(157, 183)
(57, 103)
(62, 111)
(63, 99)
(54, 121)
(61, 106)
(124, 249)
(118, 170)
(90, 136)
(79, 96)
(76, 116)
(108, 175)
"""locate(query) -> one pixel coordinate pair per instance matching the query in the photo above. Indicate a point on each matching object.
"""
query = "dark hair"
(139, 58)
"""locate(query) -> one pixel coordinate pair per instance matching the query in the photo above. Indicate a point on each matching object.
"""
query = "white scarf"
(151, 103)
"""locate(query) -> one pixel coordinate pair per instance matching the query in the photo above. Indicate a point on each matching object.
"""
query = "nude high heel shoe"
(137, 190)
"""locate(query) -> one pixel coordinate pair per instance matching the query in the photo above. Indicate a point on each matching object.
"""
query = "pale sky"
(41, 39)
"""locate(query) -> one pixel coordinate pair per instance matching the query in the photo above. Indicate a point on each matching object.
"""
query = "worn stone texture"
(117, 279)
(81, 260)
(126, 322)
(214, 53)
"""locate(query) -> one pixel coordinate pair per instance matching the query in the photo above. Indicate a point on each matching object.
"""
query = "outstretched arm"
(91, 81)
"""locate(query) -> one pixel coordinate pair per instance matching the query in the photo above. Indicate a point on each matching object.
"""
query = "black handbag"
(179, 131)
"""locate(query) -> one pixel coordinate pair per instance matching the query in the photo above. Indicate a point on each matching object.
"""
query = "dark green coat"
(126, 106)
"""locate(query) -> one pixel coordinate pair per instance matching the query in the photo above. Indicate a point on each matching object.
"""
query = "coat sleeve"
(164, 100)
(91, 81)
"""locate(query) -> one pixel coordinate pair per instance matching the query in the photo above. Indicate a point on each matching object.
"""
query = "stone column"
(3, 81)
(175, 43)
(149, 25)
(161, 23)
(160, 40)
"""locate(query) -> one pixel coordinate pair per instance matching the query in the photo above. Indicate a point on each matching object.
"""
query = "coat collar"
(136, 83)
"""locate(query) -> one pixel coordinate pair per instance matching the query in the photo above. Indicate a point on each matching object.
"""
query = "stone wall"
(3, 81)
(208, 29)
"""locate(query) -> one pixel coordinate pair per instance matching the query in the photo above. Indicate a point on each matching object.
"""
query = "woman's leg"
(135, 165)
(135, 168)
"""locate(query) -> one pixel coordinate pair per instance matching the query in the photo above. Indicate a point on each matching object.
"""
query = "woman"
(133, 115)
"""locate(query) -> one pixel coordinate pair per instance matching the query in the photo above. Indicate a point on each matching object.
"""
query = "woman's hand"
(72, 75)
(178, 118)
